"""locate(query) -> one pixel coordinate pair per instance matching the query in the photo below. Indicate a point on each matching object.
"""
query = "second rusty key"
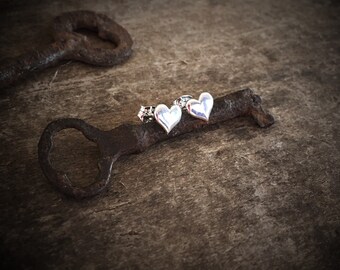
(70, 45)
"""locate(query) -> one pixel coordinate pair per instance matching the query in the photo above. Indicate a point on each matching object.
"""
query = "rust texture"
(70, 45)
(127, 139)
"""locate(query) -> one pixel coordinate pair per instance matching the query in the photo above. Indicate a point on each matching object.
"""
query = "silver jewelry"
(182, 101)
(168, 118)
(202, 107)
(146, 113)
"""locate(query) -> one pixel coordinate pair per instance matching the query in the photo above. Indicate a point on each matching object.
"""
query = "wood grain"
(238, 197)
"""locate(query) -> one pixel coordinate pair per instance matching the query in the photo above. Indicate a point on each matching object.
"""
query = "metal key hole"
(73, 154)
(93, 38)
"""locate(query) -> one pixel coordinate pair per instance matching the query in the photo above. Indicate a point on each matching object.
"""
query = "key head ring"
(82, 49)
(60, 179)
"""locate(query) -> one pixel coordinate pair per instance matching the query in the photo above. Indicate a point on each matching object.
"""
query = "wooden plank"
(236, 197)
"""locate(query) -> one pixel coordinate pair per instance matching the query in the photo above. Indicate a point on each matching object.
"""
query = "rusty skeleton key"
(70, 45)
(127, 139)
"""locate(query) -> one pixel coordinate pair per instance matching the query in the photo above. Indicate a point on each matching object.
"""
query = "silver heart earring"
(168, 118)
(202, 107)
(165, 117)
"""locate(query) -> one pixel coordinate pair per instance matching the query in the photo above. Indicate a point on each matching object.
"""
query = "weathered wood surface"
(237, 197)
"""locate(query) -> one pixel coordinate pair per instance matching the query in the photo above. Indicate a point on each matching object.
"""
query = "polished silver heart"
(202, 107)
(168, 118)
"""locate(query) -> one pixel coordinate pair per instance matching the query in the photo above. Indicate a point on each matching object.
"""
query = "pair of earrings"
(169, 118)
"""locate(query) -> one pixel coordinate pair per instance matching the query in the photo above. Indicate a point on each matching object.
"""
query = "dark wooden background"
(238, 197)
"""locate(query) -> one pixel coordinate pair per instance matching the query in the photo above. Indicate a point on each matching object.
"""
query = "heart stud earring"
(167, 118)
(202, 107)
